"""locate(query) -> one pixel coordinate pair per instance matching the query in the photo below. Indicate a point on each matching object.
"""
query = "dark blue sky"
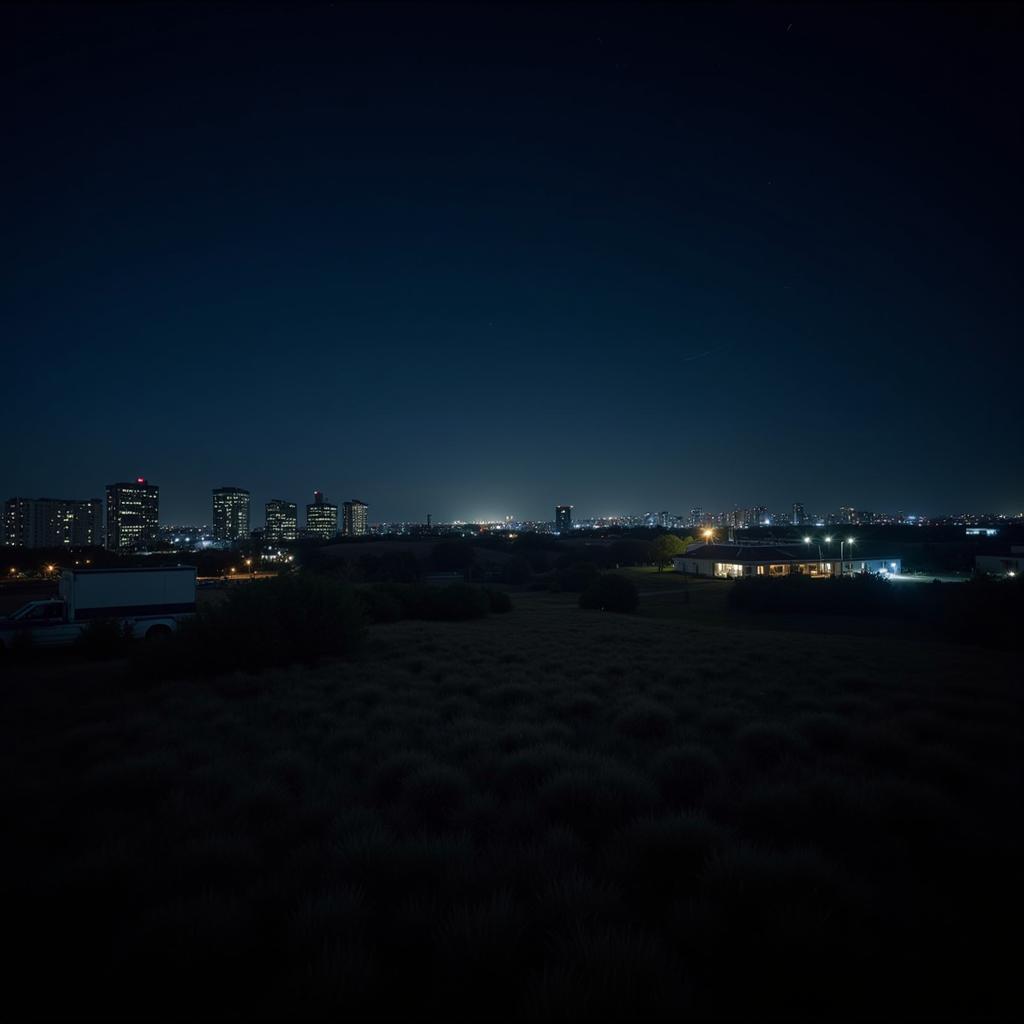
(475, 261)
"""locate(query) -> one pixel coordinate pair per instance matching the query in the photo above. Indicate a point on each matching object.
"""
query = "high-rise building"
(353, 518)
(282, 520)
(321, 518)
(230, 514)
(133, 514)
(563, 518)
(696, 516)
(52, 523)
(799, 515)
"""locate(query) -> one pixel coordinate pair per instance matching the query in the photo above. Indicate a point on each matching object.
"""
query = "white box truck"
(149, 601)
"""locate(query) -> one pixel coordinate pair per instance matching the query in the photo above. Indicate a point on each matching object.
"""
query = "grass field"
(551, 813)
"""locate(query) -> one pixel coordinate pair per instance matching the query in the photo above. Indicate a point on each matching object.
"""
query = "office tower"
(799, 515)
(697, 516)
(52, 522)
(230, 514)
(321, 518)
(353, 518)
(133, 514)
(282, 520)
(563, 518)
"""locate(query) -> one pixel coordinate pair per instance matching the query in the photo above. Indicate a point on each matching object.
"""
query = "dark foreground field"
(552, 813)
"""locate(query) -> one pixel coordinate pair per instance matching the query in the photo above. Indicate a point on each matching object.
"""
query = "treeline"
(521, 563)
(287, 620)
(980, 610)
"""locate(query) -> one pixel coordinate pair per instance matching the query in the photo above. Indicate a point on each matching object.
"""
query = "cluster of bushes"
(617, 821)
(390, 602)
(611, 593)
(103, 638)
(979, 611)
(277, 622)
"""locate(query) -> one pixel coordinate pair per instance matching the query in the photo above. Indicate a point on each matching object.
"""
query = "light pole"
(807, 540)
(831, 564)
(849, 540)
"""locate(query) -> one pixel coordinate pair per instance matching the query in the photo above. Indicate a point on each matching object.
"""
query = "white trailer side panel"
(95, 593)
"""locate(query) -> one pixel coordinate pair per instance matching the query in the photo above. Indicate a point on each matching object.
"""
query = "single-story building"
(1002, 565)
(731, 561)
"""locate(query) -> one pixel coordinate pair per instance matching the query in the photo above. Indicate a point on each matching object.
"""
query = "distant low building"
(1011, 564)
(732, 561)
(52, 523)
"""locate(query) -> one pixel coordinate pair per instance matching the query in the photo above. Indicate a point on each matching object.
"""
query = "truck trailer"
(147, 602)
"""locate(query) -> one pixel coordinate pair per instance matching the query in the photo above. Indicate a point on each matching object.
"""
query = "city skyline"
(623, 258)
(338, 522)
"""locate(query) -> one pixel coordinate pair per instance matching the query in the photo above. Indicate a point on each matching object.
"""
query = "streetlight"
(248, 562)
(807, 540)
(709, 535)
(849, 540)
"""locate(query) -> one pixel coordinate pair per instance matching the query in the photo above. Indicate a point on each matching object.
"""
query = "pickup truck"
(150, 602)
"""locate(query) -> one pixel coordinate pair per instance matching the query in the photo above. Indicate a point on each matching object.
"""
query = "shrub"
(611, 593)
(645, 719)
(103, 638)
(596, 796)
(499, 600)
(453, 603)
(656, 858)
(453, 556)
(379, 605)
(608, 974)
(578, 577)
(765, 743)
(824, 730)
(456, 602)
(259, 625)
(516, 570)
(435, 792)
(686, 773)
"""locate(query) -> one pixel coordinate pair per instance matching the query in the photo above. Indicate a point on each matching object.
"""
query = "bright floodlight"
(849, 540)
(807, 540)
(828, 540)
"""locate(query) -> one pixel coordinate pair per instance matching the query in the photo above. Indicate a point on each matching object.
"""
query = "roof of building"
(738, 554)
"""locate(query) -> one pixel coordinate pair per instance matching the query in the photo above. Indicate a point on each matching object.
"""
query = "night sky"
(476, 261)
